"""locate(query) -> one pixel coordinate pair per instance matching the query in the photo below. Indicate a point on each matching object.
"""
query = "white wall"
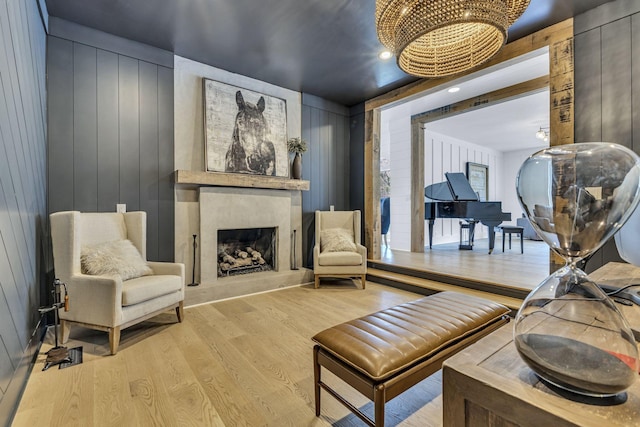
(189, 139)
(511, 162)
(445, 154)
(399, 142)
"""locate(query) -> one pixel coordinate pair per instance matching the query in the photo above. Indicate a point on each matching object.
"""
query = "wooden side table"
(488, 384)
(619, 274)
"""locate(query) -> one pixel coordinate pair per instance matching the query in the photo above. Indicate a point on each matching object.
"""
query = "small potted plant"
(298, 146)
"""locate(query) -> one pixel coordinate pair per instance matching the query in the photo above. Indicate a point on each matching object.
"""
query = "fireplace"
(246, 250)
(218, 208)
(265, 211)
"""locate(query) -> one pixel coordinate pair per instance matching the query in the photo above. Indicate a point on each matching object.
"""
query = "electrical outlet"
(121, 208)
(331, 208)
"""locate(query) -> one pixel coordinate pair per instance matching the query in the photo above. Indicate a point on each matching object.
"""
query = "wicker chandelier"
(436, 38)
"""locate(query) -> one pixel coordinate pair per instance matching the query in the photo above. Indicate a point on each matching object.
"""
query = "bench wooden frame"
(380, 392)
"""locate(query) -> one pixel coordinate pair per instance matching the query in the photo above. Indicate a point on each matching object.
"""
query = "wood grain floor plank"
(238, 362)
(72, 393)
(112, 392)
(245, 377)
(38, 416)
(509, 268)
(151, 401)
(188, 400)
(228, 397)
(211, 376)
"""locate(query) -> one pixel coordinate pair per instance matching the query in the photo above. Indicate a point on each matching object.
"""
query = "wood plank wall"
(22, 191)
(607, 97)
(356, 158)
(110, 107)
(325, 126)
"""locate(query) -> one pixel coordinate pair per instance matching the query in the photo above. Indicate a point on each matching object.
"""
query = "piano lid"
(456, 188)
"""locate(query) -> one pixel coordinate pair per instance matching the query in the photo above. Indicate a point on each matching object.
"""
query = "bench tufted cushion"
(384, 343)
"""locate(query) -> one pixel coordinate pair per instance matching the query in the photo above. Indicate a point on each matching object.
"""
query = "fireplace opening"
(246, 250)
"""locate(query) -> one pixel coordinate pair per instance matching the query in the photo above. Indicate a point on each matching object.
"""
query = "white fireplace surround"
(223, 208)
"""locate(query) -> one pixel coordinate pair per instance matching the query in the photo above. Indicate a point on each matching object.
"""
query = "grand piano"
(456, 199)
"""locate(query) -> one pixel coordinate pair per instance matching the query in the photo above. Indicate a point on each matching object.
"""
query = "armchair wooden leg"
(363, 279)
(114, 339)
(317, 283)
(65, 328)
(180, 311)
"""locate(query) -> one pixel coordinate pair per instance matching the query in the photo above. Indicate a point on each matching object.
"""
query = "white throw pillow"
(336, 240)
(115, 258)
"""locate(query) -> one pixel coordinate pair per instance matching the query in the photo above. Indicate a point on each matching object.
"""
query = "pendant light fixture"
(436, 38)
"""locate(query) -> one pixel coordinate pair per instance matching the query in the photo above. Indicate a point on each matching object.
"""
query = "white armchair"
(337, 251)
(107, 302)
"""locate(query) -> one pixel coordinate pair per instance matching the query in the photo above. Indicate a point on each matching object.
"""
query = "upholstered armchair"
(101, 257)
(337, 251)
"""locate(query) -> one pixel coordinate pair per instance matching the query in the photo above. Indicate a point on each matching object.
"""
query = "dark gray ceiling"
(326, 48)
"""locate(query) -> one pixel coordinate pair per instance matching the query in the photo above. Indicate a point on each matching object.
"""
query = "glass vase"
(568, 331)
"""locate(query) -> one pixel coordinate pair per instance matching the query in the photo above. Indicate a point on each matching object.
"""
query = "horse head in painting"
(250, 151)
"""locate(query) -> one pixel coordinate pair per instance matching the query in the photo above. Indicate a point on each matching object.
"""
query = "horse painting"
(250, 150)
(245, 131)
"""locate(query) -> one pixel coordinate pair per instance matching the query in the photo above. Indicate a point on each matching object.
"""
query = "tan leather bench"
(385, 353)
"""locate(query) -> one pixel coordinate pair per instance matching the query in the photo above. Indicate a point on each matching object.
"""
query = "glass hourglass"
(567, 330)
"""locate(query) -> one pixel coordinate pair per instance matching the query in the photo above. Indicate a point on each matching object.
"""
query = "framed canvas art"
(245, 131)
(478, 176)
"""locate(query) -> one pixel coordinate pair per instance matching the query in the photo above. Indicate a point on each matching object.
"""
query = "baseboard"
(11, 399)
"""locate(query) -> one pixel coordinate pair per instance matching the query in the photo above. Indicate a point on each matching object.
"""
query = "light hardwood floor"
(239, 362)
(508, 268)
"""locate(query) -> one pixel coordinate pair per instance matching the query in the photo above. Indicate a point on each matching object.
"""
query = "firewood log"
(256, 256)
(243, 262)
(241, 254)
(229, 259)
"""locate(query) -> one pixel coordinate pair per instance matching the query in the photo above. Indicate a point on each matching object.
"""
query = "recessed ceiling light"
(453, 89)
(543, 134)
(385, 54)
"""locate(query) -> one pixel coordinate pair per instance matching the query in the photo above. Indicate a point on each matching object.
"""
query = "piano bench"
(386, 353)
(513, 229)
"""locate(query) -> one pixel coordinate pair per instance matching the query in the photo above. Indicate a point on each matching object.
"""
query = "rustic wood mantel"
(219, 179)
